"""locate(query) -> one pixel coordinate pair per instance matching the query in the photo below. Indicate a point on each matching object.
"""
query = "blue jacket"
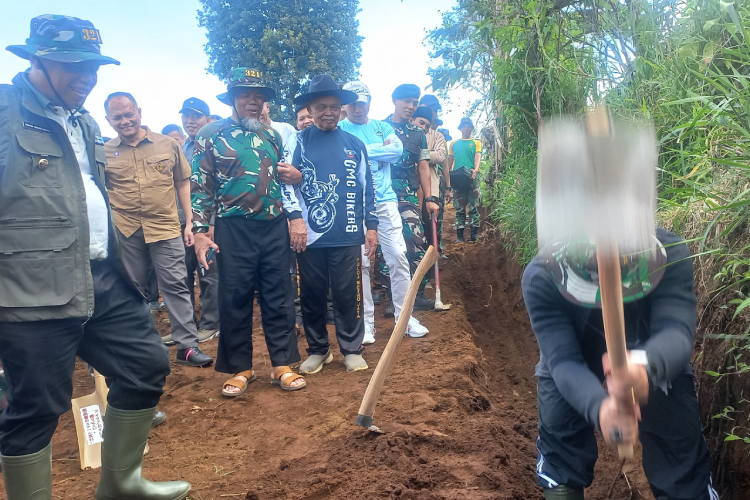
(662, 323)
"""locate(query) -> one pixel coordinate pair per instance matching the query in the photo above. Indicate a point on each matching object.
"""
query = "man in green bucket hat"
(238, 178)
(64, 292)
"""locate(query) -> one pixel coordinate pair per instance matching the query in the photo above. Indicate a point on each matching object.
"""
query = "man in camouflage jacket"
(235, 172)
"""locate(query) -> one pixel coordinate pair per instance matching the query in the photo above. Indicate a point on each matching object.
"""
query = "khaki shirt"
(438, 152)
(142, 185)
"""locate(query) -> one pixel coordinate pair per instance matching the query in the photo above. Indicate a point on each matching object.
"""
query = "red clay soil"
(458, 411)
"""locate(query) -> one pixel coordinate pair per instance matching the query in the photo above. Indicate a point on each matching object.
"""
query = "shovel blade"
(597, 186)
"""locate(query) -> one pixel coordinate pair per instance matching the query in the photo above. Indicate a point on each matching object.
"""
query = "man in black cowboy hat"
(561, 292)
(237, 177)
(337, 202)
(64, 292)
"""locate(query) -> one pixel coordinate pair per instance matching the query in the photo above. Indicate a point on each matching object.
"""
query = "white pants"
(391, 239)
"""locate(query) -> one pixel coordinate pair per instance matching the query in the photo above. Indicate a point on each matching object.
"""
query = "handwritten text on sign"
(92, 424)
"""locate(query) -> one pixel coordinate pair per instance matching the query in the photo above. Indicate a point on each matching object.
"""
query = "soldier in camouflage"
(410, 173)
(236, 171)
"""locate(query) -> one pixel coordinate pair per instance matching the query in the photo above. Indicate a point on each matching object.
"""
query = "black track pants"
(120, 340)
(675, 456)
(254, 254)
(342, 268)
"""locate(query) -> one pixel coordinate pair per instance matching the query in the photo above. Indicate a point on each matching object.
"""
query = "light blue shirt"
(375, 134)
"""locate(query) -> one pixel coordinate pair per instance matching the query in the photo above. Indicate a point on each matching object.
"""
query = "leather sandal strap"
(237, 382)
(288, 381)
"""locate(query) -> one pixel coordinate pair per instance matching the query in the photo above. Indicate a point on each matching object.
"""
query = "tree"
(289, 41)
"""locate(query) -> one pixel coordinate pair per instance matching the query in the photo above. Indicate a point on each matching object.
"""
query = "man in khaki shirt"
(144, 169)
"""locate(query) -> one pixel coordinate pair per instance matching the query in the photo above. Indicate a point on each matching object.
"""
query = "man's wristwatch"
(433, 199)
(449, 188)
(201, 229)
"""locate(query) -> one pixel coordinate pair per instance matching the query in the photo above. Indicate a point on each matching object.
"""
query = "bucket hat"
(62, 39)
(245, 78)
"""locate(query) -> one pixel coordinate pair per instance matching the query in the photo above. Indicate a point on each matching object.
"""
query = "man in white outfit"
(383, 148)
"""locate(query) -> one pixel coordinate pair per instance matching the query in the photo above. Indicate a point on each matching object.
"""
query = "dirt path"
(459, 411)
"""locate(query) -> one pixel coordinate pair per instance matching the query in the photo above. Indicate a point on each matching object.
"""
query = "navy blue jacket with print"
(336, 197)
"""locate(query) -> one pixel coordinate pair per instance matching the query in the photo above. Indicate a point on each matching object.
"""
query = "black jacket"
(662, 323)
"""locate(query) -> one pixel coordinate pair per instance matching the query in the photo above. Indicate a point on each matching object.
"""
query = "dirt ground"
(458, 411)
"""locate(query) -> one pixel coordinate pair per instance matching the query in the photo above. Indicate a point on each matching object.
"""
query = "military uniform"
(234, 178)
(405, 182)
(64, 292)
(465, 194)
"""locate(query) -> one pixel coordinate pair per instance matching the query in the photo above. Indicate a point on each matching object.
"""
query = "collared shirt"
(234, 172)
(142, 185)
(96, 206)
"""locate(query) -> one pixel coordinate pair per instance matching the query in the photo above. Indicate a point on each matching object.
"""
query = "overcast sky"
(160, 47)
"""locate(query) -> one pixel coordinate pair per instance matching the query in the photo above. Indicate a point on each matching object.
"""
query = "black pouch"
(461, 179)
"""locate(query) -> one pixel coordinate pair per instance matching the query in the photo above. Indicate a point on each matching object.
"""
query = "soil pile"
(458, 411)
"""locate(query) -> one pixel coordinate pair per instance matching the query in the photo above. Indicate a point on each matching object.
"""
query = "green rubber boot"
(29, 477)
(125, 436)
(562, 493)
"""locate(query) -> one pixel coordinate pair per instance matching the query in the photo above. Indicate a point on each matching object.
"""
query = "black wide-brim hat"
(324, 86)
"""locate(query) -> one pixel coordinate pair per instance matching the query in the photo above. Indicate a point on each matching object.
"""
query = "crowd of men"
(93, 230)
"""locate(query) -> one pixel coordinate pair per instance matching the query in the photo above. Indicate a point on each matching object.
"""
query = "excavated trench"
(458, 411)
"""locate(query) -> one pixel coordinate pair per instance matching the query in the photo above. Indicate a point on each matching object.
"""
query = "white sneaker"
(415, 329)
(369, 334)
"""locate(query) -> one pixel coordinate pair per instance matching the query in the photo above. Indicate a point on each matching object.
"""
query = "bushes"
(683, 66)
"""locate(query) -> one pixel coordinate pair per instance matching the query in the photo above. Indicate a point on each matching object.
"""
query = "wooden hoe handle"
(610, 285)
(367, 408)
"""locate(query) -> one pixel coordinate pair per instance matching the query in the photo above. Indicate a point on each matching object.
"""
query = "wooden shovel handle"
(610, 285)
(367, 408)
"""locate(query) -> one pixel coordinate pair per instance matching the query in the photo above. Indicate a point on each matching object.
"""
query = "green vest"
(45, 270)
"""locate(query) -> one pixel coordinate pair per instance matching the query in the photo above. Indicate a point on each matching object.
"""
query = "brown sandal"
(286, 383)
(236, 381)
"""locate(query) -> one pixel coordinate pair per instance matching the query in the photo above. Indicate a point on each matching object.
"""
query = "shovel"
(439, 306)
(88, 412)
(370, 400)
(599, 181)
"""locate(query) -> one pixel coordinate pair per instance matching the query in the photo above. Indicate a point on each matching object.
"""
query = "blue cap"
(465, 122)
(196, 105)
(406, 91)
(431, 101)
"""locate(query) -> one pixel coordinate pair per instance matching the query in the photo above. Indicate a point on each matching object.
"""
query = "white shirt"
(95, 204)
(285, 131)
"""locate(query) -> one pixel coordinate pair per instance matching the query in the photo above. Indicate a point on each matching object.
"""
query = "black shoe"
(460, 235)
(422, 303)
(193, 356)
(330, 319)
(378, 298)
(159, 418)
(474, 233)
(389, 311)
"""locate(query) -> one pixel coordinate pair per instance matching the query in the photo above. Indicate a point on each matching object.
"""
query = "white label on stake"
(92, 424)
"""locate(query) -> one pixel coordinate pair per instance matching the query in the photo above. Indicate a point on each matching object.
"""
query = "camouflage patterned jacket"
(404, 173)
(234, 173)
